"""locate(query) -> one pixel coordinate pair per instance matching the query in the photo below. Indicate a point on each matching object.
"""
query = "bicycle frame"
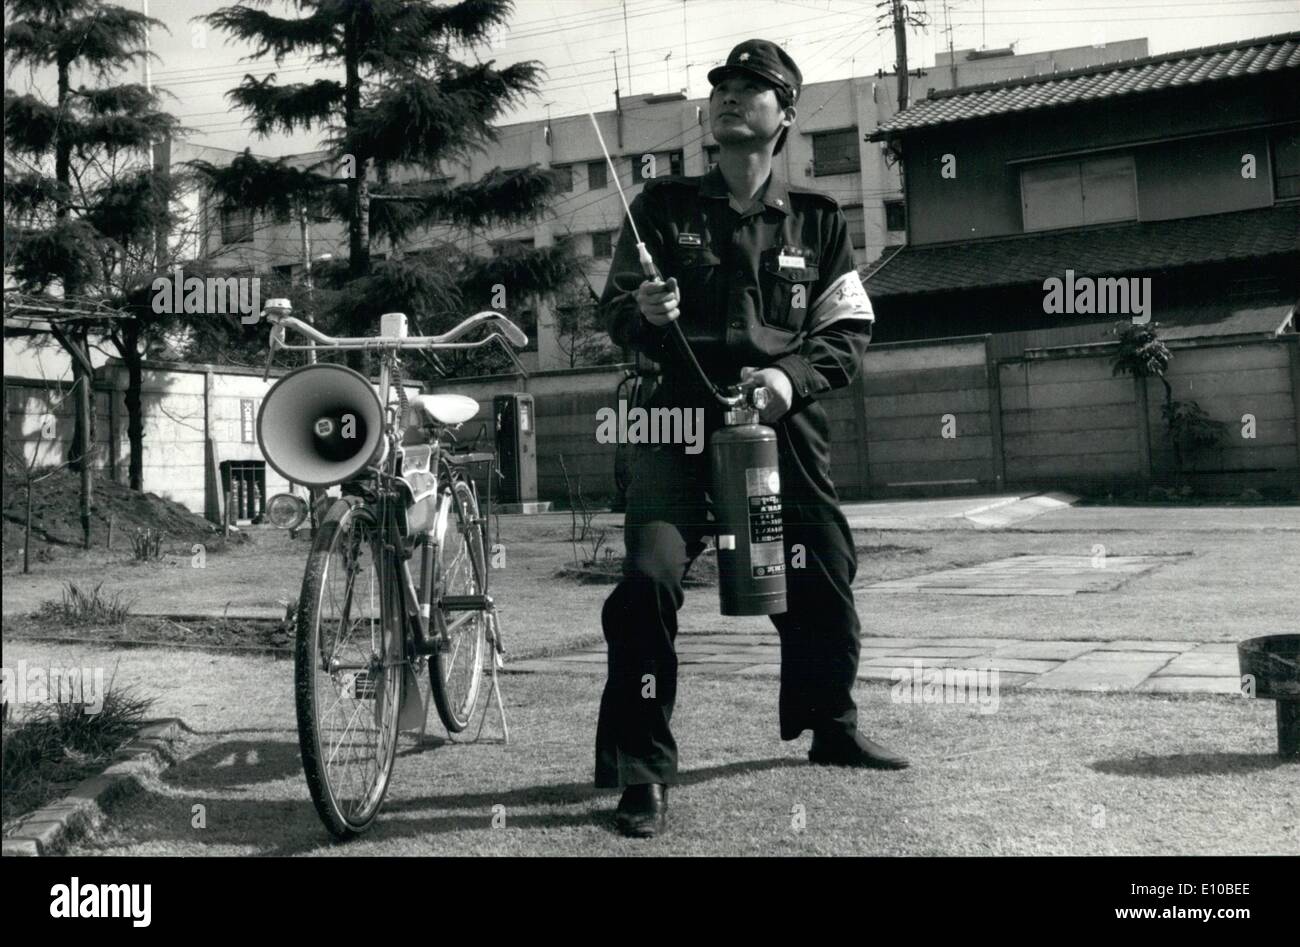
(424, 626)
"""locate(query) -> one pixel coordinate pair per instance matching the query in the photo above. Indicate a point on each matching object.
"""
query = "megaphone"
(321, 425)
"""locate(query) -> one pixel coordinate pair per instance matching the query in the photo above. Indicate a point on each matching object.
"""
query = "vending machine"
(516, 440)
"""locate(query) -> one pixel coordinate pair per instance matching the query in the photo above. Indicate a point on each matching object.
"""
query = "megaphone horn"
(321, 425)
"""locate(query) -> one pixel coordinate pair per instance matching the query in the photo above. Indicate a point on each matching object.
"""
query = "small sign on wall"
(247, 409)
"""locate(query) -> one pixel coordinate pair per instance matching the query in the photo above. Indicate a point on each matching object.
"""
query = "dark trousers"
(663, 531)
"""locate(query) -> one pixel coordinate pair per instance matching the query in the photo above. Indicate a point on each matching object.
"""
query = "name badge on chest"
(689, 240)
(790, 261)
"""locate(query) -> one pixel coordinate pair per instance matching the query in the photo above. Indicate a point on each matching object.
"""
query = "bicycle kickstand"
(494, 644)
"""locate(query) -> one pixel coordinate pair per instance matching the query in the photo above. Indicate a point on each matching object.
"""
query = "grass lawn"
(1227, 585)
(1044, 774)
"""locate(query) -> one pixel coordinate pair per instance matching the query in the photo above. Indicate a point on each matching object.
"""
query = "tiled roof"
(1171, 70)
(1108, 251)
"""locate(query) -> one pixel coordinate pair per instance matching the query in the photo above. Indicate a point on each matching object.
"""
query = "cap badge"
(744, 56)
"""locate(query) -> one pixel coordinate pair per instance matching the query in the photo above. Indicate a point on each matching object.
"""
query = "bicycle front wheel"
(347, 670)
(456, 672)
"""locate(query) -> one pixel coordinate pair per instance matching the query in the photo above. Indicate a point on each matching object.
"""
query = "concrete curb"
(52, 828)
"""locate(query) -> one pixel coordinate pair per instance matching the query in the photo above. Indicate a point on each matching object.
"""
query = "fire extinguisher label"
(766, 537)
(762, 481)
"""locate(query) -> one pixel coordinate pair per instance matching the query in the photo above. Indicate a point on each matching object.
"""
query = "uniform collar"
(773, 194)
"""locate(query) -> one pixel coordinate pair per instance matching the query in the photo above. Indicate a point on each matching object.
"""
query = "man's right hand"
(658, 301)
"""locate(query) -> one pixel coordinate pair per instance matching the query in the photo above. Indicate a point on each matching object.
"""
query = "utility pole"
(947, 28)
(686, 51)
(159, 153)
(900, 51)
(901, 17)
(627, 45)
(618, 101)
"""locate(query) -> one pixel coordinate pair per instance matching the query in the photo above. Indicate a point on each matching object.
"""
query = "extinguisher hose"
(652, 272)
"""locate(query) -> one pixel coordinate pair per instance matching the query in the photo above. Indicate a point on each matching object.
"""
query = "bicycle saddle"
(442, 409)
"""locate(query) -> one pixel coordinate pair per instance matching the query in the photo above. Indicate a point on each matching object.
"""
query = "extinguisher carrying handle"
(733, 397)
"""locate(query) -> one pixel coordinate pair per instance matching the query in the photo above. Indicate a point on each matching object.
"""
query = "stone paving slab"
(1205, 664)
(985, 644)
(1016, 664)
(1104, 653)
(1150, 667)
(943, 651)
(1115, 671)
(1046, 650)
(969, 591)
(1126, 645)
(1004, 515)
(1190, 685)
(1027, 575)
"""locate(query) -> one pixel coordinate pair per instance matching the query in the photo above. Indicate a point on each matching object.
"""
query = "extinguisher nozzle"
(647, 262)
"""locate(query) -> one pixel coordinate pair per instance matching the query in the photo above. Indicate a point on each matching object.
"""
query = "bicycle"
(365, 625)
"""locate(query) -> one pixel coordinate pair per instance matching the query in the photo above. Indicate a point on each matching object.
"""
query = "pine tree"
(400, 103)
(83, 228)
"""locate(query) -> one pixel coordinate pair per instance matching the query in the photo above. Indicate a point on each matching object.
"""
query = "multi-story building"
(651, 135)
(1182, 170)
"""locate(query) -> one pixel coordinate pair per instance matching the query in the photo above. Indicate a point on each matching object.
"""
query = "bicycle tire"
(460, 571)
(371, 670)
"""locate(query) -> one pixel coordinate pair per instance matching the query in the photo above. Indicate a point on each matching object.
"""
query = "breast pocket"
(787, 292)
(697, 271)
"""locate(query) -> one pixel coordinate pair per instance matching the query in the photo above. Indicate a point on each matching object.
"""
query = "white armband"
(844, 299)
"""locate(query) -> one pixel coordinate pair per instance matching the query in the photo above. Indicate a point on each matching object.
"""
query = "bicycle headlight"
(286, 510)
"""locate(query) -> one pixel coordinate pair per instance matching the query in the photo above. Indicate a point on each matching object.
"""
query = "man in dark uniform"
(760, 277)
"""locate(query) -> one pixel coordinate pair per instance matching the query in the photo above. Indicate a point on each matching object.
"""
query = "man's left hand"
(775, 381)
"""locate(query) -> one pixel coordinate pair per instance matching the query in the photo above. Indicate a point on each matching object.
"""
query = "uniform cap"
(767, 61)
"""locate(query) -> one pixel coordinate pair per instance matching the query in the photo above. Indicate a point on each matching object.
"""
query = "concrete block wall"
(1050, 419)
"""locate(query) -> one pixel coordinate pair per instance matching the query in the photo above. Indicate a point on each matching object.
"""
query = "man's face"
(744, 112)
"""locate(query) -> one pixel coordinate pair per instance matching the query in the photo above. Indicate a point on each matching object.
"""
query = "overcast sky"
(576, 40)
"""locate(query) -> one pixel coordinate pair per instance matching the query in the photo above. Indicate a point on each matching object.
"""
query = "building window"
(602, 244)
(320, 208)
(597, 175)
(711, 155)
(895, 216)
(835, 152)
(857, 226)
(511, 247)
(1076, 193)
(236, 225)
(564, 175)
(1286, 164)
(665, 162)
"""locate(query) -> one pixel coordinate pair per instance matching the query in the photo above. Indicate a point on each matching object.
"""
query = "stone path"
(1152, 667)
(1029, 575)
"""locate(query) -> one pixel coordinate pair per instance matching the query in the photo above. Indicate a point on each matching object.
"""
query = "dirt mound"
(56, 515)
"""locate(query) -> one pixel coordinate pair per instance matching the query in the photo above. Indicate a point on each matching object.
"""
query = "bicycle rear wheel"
(455, 674)
(347, 670)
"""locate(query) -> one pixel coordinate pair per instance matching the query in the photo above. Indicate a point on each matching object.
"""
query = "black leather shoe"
(854, 750)
(643, 810)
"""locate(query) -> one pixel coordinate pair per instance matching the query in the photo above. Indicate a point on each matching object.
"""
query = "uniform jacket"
(775, 286)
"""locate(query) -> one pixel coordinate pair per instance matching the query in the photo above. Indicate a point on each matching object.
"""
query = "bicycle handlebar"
(445, 341)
